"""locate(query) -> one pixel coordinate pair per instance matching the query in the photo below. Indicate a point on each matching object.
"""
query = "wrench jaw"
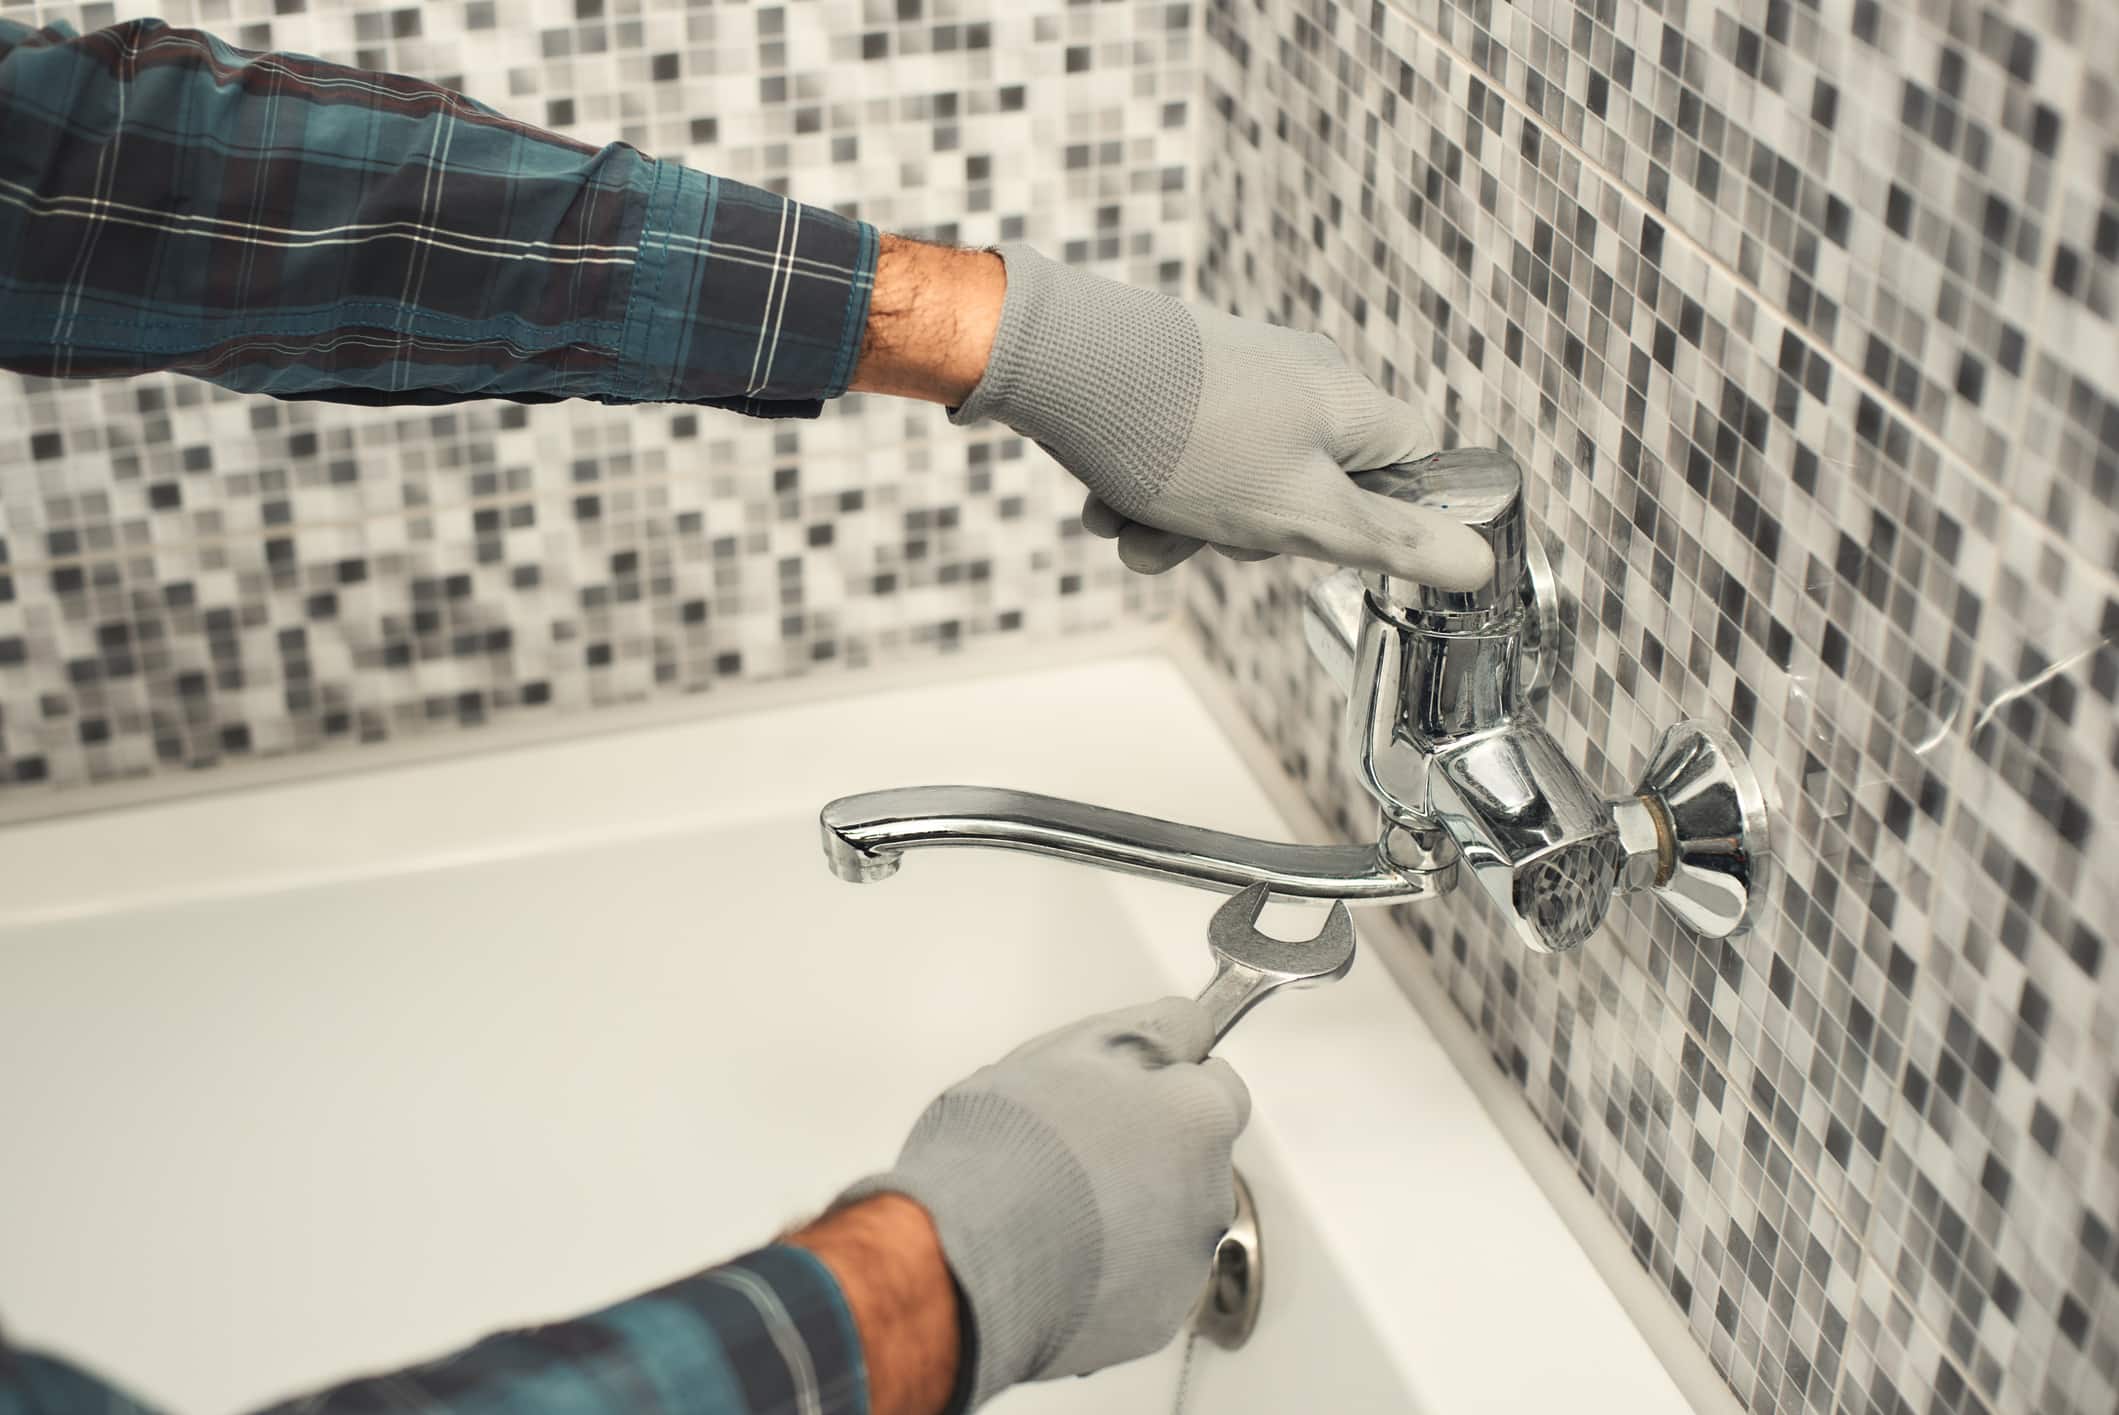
(1234, 932)
(1236, 918)
(1250, 964)
(1335, 939)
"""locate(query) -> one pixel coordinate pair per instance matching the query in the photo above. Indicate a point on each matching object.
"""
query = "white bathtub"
(303, 1081)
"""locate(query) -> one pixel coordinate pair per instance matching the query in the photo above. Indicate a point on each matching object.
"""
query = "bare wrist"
(931, 321)
(887, 1259)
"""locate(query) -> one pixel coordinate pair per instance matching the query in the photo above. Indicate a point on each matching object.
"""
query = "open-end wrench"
(1248, 964)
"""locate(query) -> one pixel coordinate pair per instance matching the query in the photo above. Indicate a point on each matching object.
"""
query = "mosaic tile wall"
(191, 578)
(1800, 316)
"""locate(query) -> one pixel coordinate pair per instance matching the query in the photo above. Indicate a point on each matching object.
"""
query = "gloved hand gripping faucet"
(1188, 426)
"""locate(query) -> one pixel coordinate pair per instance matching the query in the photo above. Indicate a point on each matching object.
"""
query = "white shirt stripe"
(772, 288)
(106, 169)
(787, 286)
(420, 236)
(781, 1328)
(175, 222)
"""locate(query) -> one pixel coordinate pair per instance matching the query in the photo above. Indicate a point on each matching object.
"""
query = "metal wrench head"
(1233, 934)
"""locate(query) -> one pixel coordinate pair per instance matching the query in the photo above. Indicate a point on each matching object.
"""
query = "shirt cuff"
(743, 299)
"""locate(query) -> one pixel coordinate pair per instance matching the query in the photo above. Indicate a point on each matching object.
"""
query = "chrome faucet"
(1440, 728)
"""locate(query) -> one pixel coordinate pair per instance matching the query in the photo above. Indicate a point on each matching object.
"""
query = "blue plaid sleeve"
(768, 1334)
(281, 225)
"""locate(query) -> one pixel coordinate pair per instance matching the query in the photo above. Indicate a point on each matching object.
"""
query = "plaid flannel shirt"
(768, 1334)
(281, 225)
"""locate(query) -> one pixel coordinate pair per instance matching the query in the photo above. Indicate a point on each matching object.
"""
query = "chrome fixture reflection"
(866, 836)
(1440, 729)
(1227, 1311)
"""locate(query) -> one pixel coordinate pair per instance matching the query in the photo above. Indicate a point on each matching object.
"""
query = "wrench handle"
(1235, 990)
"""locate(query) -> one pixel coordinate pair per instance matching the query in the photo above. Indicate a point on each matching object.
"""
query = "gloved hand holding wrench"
(1081, 1184)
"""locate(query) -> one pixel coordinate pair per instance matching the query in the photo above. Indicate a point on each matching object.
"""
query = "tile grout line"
(227, 540)
(2048, 246)
(492, 501)
(1860, 381)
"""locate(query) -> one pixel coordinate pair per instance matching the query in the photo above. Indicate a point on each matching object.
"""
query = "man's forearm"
(683, 287)
(888, 1261)
(931, 321)
(419, 247)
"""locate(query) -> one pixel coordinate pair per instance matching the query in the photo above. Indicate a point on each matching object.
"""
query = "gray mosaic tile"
(1880, 171)
(861, 539)
(2071, 477)
(189, 578)
(1865, 1148)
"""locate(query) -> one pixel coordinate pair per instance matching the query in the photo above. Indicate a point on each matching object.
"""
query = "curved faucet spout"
(866, 836)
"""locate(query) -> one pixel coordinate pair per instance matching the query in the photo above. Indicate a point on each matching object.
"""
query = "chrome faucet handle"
(1332, 612)
(1695, 831)
(1481, 487)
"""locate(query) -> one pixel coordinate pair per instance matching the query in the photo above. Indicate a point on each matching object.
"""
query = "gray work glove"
(1079, 1186)
(1188, 425)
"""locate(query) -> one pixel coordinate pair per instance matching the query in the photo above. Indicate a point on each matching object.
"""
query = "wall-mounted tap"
(1440, 729)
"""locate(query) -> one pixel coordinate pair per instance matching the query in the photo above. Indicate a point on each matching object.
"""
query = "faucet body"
(1470, 787)
(1438, 720)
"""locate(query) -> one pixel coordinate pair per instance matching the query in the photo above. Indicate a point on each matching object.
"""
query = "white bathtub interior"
(303, 1081)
